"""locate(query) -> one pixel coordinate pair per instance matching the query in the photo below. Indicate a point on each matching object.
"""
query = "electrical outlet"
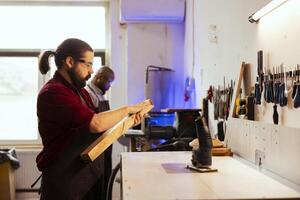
(212, 33)
(259, 158)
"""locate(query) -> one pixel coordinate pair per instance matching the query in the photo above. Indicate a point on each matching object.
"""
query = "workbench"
(162, 175)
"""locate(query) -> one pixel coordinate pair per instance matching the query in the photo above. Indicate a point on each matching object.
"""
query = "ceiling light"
(265, 10)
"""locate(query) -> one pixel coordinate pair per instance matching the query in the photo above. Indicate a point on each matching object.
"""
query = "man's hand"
(138, 118)
(136, 108)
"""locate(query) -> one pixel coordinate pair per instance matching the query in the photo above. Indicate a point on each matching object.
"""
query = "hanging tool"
(269, 88)
(257, 92)
(241, 107)
(265, 88)
(276, 85)
(295, 76)
(210, 93)
(260, 67)
(258, 88)
(275, 114)
(282, 87)
(216, 98)
(297, 94)
(288, 88)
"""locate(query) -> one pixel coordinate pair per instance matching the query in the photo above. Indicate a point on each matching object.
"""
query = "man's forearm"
(105, 120)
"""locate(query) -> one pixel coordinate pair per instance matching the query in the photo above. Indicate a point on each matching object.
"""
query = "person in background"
(97, 87)
(68, 123)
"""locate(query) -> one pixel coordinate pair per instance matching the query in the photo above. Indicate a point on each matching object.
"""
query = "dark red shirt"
(63, 112)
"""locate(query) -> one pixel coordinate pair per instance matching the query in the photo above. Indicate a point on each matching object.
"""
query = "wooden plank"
(7, 181)
(171, 110)
(221, 151)
(217, 143)
(111, 135)
(236, 91)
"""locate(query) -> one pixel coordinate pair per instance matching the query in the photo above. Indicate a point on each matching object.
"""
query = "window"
(23, 35)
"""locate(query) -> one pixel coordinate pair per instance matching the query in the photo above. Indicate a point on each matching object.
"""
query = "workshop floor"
(35, 195)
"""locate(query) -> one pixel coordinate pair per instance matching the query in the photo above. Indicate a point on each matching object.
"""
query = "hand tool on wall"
(275, 114)
(270, 93)
(277, 83)
(260, 71)
(258, 88)
(210, 93)
(295, 77)
(265, 91)
(241, 107)
(228, 99)
(257, 92)
(282, 88)
(269, 88)
(288, 88)
(216, 98)
(297, 93)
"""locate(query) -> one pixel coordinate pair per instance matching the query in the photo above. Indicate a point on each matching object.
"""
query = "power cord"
(111, 181)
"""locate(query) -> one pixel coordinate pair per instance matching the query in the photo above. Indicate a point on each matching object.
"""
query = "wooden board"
(217, 143)
(7, 181)
(111, 135)
(236, 91)
(221, 151)
(171, 110)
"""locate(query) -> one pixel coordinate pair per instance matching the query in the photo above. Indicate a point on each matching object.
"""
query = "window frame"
(35, 53)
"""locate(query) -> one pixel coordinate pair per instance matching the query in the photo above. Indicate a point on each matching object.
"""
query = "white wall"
(153, 44)
(278, 35)
(237, 41)
(116, 55)
(135, 46)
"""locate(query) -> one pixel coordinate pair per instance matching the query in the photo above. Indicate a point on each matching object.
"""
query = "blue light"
(162, 119)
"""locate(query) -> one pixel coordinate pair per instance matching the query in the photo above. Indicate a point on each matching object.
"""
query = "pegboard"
(275, 148)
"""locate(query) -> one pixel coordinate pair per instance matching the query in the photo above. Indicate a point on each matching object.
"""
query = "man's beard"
(75, 80)
(101, 87)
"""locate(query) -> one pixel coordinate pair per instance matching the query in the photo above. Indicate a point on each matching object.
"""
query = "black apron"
(101, 107)
(104, 106)
(69, 178)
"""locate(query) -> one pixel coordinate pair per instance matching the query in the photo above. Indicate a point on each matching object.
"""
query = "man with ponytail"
(68, 123)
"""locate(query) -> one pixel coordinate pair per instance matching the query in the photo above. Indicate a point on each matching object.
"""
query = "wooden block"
(217, 143)
(221, 151)
(111, 135)
(7, 181)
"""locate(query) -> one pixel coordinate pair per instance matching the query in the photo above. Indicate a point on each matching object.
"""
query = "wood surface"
(111, 135)
(163, 175)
